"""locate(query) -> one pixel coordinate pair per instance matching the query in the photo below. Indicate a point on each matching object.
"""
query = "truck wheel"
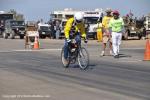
(21, 36)
(1, 34)
(5, 35)
(95, 36)
(126, 36)
(139, 36)
(12, 35)
(42, 36)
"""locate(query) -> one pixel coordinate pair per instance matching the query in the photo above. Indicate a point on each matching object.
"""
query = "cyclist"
(74, 29)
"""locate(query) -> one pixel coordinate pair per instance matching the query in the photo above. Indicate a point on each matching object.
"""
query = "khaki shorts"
(106, 39)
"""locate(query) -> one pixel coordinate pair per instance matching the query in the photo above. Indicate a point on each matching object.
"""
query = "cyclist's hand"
(68, 40)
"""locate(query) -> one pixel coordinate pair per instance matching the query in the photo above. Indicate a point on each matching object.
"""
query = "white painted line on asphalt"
(132, 48)
(38, 50)
(28, 50)
(129, 60)
(58, 49)
(5, 51)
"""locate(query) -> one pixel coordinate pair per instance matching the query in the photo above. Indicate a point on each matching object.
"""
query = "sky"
(37, 9)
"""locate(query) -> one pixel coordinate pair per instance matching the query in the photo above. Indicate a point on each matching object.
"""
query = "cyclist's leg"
(66, 49)
(78, 39)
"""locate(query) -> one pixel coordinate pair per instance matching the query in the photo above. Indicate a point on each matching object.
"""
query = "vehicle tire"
(62, 59)
(42, 36)
(21, 36)
(95, 36)
(126, 35)
(5, 35)
(139, 36)
(83, 58)
(1, 34)
(12, 35)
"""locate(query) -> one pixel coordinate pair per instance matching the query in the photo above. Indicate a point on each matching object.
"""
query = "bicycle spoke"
(83, 58)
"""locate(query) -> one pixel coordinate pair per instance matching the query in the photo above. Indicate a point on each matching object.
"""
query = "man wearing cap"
(106, 31)
(117, 26)
(99, 31)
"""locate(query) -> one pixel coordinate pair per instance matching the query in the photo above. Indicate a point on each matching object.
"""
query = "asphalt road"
(39, 75)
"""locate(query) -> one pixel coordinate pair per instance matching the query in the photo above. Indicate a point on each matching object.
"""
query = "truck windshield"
(91, 20)
(44, 28)
(6, 16)
(17, 23)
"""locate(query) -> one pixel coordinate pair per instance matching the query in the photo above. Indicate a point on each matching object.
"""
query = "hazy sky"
(37, 9)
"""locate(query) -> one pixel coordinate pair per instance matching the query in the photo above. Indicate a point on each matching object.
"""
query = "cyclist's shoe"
(85, 41)
(65, 62)
(103, 53)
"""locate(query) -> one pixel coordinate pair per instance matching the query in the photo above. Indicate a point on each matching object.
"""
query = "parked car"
(14, 28)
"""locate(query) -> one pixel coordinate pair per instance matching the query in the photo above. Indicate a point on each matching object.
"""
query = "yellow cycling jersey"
(78, 27)
(105, 21)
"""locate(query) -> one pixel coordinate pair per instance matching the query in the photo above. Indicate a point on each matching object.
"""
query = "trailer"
(31, 34)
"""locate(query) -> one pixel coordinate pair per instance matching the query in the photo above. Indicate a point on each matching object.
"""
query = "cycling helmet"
(78, 17)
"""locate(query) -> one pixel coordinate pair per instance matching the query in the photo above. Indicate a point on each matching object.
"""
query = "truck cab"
(14, 28)
(44, 30)
(91, 18)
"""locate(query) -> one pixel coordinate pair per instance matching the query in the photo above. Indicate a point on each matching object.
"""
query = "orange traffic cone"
(147, 51)
(36, 43)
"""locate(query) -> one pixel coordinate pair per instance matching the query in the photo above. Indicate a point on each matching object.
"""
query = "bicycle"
(77, 53)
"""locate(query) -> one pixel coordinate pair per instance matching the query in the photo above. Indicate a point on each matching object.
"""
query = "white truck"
(91, 18)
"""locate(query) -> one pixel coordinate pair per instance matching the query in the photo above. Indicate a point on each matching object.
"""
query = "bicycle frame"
(73, 54)
(76, 53)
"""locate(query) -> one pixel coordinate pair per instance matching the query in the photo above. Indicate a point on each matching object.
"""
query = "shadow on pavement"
(124, 56)
(90, 67)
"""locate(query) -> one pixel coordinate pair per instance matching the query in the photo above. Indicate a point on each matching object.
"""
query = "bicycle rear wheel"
(63, 60)
(83, 58)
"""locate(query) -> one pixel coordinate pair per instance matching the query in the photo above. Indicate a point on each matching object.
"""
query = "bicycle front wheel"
(83, 58)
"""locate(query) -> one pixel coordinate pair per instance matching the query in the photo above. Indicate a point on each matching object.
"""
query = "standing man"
(106, 31)
(117, 26)
(57, 29)
(99, 31)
